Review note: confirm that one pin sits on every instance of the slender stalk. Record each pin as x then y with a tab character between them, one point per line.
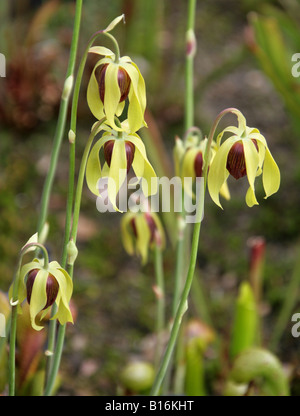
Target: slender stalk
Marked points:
49	179
189	67
14	315
60	128
61	331
182	231
160	324
54	359
182	307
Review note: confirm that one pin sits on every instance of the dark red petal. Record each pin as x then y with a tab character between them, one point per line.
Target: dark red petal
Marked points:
198	165
52	287
129	148
236	164
124	82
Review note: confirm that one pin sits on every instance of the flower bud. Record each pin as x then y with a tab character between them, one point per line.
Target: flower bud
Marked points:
151	225
236	164
137	376
124	82
129	148
52	287
198	165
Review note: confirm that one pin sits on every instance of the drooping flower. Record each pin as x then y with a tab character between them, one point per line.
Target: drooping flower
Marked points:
44	286
122	150
189	156
140	231
244	153
113	81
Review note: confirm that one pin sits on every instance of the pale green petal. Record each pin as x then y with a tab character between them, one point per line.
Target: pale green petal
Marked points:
259	137
137	97
38	297
188	169
250	198
117	170
142	167
63	313
32	239
93	96
143	237
53	265
120	108
114	23
242	125
261	155
251	160
22	292
101	50
271	174
224	191
218	173
126	232
112	94
65	292
93	167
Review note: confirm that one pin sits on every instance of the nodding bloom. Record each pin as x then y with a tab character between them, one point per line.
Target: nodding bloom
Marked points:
122	150
244	153
44	286
140	232
113	81
189	156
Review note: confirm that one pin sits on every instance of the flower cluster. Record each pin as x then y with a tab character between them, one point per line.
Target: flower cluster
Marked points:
115	80
244	153
42	284
141	231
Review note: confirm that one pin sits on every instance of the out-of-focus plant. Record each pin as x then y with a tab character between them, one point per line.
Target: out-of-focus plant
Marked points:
274	39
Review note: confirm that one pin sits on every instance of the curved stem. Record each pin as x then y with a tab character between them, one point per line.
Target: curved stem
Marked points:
183	232
182	307
116	45
14	315
61	331
60	128
160	324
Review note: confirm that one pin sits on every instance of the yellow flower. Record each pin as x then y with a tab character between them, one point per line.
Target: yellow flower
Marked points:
44	286
189	157
122	150
111	83
245	153
140	231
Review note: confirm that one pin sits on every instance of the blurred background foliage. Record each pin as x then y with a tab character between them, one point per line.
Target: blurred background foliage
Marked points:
243	60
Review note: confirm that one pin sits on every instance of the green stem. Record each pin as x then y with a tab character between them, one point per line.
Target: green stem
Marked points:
182	230
60	128
61	331
72	154
14	315
64	105
116	45
160	324
182	307
189	67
